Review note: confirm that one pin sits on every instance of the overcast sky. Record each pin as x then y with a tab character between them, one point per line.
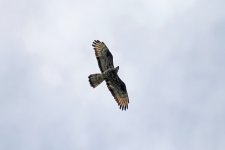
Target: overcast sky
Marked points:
171	55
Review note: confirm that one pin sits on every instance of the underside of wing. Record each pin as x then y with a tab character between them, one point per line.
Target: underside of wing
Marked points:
103	55
119	92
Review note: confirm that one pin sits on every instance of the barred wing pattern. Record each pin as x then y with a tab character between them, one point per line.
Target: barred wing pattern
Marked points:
118	91
103	55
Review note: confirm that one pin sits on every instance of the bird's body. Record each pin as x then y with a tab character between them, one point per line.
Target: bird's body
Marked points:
109	74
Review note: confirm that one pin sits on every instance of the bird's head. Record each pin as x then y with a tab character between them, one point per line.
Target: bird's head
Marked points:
117	68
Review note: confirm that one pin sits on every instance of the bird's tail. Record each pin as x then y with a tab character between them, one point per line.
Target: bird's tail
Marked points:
95	79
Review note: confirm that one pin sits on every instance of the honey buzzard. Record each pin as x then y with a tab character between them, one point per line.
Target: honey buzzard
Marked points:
108	73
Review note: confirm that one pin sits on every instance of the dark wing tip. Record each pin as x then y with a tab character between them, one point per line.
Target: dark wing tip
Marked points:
95	42
123	106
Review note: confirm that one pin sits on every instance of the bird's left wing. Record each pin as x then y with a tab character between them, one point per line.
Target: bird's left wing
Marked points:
118	89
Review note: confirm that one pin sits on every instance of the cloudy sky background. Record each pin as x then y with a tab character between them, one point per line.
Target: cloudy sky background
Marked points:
171	55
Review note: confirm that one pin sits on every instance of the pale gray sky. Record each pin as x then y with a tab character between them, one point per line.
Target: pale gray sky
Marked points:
171	55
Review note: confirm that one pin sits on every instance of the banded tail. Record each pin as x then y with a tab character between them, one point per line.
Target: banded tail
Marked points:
95	79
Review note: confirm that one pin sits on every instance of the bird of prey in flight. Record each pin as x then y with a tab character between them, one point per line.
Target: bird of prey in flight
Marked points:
109	73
